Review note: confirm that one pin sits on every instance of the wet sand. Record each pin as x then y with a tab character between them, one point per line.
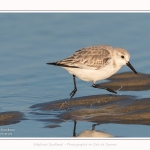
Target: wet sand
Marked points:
128	81
102	109
10	117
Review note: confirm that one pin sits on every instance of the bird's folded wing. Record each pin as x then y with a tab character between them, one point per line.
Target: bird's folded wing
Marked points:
92	57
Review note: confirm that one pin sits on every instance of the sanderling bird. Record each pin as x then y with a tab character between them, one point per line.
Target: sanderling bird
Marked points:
94	63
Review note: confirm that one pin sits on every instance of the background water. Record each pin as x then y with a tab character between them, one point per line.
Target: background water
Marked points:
29	40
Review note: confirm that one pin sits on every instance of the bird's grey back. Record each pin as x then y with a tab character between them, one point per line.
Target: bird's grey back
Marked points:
91	56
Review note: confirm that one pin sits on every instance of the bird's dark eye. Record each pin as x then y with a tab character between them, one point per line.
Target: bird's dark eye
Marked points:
122	56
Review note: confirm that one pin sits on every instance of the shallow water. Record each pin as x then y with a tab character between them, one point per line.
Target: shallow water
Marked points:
28	41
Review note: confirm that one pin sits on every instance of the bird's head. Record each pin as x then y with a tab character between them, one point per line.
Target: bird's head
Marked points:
123	57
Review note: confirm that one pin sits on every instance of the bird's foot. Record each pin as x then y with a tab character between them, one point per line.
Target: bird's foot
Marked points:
108	89
73	93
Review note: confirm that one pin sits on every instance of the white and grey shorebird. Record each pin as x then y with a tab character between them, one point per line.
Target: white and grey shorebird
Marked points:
94	63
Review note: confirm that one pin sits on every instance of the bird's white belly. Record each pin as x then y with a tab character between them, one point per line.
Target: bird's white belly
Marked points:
92	75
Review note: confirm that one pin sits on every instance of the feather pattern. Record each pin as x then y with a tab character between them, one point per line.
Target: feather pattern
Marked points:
93	57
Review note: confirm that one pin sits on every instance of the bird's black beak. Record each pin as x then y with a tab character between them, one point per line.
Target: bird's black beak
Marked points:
131	67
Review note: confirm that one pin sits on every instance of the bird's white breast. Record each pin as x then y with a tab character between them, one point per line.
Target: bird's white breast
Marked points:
92	74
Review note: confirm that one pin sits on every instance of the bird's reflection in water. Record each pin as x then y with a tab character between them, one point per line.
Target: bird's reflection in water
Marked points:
91	133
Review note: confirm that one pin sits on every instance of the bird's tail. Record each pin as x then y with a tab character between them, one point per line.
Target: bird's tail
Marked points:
56	64
52	63
59	64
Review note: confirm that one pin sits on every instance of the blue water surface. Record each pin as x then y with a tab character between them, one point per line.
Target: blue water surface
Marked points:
29	40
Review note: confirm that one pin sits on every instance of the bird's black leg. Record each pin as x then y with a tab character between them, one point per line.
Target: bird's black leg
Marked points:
94	85
73	92
74	128
108	89
93	126
75	87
